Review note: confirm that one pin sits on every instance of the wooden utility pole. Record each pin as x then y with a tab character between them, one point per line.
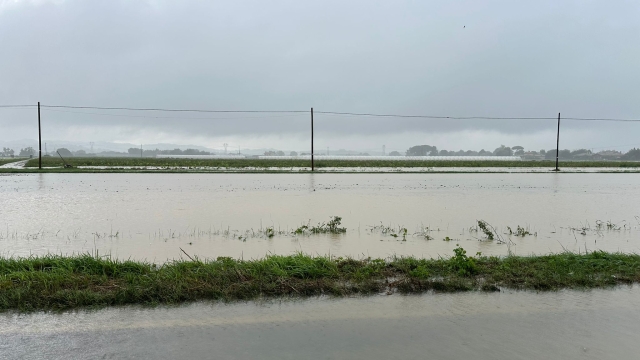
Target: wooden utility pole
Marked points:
312	167
558	144
39	140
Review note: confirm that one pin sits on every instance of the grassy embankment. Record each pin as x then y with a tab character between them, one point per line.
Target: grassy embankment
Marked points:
257	163
57	282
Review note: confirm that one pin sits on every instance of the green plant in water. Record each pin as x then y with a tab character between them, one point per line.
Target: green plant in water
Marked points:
485	229
520	231
446	239
269	232
331	227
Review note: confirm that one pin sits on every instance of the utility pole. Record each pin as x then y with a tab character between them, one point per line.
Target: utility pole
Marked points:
89	143
312	167
225	147
39	140
558	144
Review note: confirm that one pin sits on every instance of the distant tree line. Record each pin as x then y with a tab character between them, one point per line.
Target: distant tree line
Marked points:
428	150
26	152
580	154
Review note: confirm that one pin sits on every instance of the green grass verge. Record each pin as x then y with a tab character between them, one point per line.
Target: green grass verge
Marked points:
57	282
257	163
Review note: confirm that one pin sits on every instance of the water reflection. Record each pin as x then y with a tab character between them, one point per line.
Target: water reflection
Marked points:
598	324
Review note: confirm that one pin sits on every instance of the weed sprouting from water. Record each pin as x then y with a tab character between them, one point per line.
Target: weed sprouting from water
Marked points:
330	227
485	229
601	225
520	231
269	232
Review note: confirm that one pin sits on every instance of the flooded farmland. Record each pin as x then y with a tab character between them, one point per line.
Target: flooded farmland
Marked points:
153	216
159	217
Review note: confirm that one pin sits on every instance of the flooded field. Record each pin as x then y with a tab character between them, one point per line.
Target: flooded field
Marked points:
154	216
159	217
598	324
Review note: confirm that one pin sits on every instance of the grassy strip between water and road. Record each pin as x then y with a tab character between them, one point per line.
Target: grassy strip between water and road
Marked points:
57	282
272	163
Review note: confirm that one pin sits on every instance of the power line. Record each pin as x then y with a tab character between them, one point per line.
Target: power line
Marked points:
603	119
471	117
171	117
436	117
318	112
173	110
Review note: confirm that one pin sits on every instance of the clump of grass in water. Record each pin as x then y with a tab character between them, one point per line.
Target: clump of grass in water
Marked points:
399	231
331	227
58	282
484	227
520	231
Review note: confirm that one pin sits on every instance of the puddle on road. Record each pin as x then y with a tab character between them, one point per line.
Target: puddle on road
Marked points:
152	216
596	324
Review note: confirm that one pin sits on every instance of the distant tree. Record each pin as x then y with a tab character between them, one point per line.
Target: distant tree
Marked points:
270	153
563	154
517	147
471	153
518	152
64	152
580	151
503	151
422	150
80	153
543	151
293	153
395	153
443	153
279	153
633	154
133	151
29	151
484	152
7	152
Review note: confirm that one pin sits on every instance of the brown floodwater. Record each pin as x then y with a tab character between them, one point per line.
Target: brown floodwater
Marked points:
152	216
596	324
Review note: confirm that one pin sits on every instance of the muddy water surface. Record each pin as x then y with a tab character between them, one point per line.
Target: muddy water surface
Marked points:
598	324
152	216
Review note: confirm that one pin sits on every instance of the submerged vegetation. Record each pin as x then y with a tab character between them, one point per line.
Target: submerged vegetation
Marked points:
58	282
331	227
300	163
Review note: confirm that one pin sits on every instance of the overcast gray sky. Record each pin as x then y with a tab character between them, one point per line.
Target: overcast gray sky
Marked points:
451	58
